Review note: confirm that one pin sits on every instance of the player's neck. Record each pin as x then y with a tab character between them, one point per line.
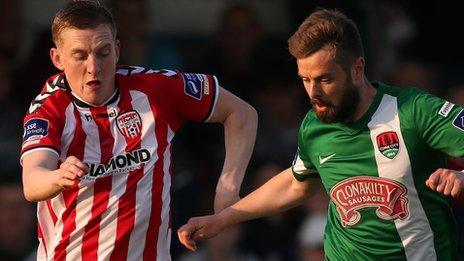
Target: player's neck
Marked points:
367	94
81	101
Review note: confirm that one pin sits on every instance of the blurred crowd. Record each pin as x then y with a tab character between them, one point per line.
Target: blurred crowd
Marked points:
405	45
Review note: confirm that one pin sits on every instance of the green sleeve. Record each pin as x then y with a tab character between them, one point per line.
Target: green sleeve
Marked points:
441	123
302	167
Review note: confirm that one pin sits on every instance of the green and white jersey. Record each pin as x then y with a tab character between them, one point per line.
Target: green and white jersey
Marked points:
375	170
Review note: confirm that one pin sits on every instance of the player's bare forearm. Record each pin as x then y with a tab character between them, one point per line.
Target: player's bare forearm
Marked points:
240	125
240	134
41	178
278	194
40	184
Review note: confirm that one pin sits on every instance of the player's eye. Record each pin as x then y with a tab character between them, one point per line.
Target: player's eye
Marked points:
104	52
326	80
80	57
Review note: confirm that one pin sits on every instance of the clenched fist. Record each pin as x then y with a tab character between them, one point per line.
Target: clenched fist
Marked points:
446	181
200	228
70	171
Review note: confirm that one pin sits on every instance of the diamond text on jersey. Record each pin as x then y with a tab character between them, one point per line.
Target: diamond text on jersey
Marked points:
118	164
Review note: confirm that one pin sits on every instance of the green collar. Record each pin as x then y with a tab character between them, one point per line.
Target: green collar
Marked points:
362	123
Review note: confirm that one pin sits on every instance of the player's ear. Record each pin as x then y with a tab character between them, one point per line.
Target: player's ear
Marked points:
55	56
357	70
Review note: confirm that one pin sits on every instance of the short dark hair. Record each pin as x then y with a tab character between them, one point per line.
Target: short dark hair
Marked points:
327	27
81	14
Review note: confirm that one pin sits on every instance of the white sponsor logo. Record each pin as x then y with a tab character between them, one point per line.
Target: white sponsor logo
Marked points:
323	160
446	109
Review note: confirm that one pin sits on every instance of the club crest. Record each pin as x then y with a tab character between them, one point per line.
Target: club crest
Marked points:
388	144
130	124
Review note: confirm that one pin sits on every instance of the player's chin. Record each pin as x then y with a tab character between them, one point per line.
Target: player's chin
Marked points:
327	116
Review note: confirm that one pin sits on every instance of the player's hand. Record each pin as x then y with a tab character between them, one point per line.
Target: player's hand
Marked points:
70	171
224	198
199	228
446	181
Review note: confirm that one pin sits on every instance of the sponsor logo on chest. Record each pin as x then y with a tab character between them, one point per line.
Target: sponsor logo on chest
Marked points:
389	197
103	115
130	124
324	159
388	144
123	163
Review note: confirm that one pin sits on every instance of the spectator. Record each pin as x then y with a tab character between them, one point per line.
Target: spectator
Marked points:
16	220
140	45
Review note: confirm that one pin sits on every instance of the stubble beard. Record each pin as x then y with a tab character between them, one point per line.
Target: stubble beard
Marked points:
345	111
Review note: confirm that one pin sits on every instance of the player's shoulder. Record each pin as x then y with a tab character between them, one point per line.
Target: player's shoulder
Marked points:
405	95
53	94
401	92
146	80
412	100
137	73
310	117
152	80
309	121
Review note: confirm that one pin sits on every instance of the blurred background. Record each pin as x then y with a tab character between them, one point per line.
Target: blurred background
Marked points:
244	44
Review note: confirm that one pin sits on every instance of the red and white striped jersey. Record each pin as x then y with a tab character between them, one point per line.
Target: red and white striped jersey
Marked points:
120	210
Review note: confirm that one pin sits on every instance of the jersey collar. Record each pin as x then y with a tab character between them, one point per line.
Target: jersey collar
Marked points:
81	103
361	123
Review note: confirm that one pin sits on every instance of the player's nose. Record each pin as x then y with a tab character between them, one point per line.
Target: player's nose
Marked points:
314	89
93	65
